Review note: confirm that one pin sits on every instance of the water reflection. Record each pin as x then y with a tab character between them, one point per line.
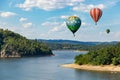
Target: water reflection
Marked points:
96	75
48	68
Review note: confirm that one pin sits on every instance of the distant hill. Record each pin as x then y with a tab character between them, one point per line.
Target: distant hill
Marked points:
70	44
15	45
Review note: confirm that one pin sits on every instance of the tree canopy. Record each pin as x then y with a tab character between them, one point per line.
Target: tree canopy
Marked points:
103	56
12	43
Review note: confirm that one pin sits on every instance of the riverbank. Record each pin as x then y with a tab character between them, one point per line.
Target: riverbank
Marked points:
108	68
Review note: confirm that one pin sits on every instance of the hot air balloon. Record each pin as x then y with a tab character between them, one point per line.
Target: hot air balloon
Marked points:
73	23
108	31
96	14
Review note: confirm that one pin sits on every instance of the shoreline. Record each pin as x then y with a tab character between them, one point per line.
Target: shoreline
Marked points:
103	68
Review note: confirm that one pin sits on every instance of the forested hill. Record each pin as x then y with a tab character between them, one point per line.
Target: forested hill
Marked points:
15	45
69	42
75	45
104	56
75	42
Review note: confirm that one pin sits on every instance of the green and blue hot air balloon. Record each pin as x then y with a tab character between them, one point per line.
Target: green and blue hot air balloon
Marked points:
73	23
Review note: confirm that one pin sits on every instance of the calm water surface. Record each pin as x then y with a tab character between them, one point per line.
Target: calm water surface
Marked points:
48	68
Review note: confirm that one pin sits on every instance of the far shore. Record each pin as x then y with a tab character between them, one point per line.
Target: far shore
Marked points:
71	50
107	68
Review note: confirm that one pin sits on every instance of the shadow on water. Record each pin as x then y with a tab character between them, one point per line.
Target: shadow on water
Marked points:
96	75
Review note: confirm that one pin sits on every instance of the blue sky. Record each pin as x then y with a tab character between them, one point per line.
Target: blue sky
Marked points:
45	19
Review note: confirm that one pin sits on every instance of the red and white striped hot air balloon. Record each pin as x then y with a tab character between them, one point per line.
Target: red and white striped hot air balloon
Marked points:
96	14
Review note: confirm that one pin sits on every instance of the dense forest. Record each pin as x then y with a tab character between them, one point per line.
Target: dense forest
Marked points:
15	45
80	47
104	56
75	45
65	44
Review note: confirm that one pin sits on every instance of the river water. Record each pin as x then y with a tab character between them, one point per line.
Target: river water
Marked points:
48	68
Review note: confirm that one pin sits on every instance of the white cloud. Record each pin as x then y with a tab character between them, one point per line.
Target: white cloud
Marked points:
83	24
54	26
58	28
27	25
7	14
24	23
86	8
111	3
55	29
47	24
64	17
77	5
47	4
22	19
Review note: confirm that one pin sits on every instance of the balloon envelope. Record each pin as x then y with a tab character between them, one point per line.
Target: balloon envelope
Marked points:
108	31
73	23
96	14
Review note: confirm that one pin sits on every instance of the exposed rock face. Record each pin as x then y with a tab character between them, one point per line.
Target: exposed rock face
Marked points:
3	54
8	51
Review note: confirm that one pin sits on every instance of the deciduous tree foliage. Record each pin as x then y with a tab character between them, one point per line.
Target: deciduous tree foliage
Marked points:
14	42
103	56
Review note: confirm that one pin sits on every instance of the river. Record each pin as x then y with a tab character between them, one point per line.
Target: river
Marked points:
48	68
